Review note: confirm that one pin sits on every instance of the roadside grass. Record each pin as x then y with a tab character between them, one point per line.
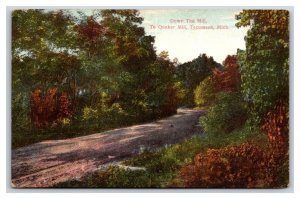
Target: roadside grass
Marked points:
161	165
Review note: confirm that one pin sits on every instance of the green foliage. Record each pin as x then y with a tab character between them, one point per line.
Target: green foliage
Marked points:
113	177
192	73
84	57
265	63
90	113
204	93
228	113
103	114
265	84
40	59
20	113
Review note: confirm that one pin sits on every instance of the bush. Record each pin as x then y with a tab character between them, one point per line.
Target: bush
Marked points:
90	113
47	110
228	113
243	166
204	93
104	114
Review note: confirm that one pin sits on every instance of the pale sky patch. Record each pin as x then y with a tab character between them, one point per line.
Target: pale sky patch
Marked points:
188	44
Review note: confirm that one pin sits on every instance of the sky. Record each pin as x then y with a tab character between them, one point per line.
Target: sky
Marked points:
187	44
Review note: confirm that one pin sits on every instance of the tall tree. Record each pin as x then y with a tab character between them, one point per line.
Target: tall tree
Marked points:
265	63
43	56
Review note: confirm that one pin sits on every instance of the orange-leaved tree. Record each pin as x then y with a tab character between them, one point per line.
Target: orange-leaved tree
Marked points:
230	78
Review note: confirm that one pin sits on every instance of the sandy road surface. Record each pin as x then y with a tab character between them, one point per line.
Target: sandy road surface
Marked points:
49	162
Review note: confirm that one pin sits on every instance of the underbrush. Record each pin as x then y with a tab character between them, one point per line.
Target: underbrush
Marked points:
243	162
241	166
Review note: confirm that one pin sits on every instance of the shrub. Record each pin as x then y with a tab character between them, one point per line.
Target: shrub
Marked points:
243	166
204	93
50	108
228	113
90	113
103	114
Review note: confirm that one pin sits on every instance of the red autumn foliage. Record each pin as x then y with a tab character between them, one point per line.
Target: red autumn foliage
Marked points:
230	78
49	108
91	30
276	126
64	106
246	165
243	166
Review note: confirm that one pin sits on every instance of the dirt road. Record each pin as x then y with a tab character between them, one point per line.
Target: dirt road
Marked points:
49	162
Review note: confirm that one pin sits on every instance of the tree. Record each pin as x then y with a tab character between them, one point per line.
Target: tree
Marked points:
265	63
204	92
101	70
83	68
147	78
43	56
229	79
193	72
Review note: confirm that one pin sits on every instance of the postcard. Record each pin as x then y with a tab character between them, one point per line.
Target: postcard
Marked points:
150	98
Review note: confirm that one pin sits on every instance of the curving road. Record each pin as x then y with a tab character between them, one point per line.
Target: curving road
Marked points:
49	162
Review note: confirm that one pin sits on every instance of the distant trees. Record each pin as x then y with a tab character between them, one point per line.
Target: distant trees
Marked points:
193	72
204	93
228	79
222	79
